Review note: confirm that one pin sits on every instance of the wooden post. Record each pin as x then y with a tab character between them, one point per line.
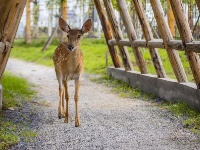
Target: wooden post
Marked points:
132	36
167	36
10	17
28	22
118	35
149	36
186	37
107	33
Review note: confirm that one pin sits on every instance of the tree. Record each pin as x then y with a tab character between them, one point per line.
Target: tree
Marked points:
171	19
64	15
28	23
35	18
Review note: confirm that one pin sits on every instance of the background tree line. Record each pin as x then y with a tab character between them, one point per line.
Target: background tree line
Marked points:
87	6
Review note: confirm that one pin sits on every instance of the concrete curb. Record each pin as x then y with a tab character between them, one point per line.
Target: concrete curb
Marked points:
0	97
167	89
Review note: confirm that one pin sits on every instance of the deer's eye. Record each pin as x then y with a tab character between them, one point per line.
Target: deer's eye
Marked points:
79	36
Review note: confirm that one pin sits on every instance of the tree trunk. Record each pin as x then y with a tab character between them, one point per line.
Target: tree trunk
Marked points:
190	15
28	22
35	19
64	16
171	19
198	4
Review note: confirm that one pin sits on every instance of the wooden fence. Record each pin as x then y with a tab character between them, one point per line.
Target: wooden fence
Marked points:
160	85
191	48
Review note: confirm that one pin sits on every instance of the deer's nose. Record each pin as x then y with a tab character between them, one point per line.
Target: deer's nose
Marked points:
70	47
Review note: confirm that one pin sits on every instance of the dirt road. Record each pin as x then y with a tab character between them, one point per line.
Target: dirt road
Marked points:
107	120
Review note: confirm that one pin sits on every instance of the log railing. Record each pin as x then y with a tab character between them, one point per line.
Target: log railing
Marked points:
158	43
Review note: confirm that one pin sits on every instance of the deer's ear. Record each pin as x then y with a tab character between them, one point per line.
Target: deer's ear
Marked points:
63	25
87	26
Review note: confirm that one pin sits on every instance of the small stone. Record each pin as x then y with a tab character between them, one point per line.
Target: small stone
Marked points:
10	108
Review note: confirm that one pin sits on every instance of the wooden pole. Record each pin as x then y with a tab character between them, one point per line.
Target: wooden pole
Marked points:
28	22
149	36
167	36
118	35
107	33
132	36
186	37
11	15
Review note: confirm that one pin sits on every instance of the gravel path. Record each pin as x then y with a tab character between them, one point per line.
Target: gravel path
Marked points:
107	120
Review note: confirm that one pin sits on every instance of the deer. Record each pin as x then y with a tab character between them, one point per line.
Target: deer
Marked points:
69	62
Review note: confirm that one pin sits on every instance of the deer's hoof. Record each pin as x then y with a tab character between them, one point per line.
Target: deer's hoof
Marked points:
61	116
77	123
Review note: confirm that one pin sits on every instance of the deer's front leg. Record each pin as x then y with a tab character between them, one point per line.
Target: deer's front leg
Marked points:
67	101
60	107
76	98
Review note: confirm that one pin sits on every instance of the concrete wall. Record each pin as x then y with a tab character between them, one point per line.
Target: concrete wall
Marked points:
167	89
0	97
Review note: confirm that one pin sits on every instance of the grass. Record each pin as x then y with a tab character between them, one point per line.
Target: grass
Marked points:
188	116
15	91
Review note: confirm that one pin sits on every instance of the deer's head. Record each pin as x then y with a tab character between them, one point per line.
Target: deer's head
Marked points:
74	35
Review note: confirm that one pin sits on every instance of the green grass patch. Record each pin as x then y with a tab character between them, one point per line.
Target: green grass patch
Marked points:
189	117
15	91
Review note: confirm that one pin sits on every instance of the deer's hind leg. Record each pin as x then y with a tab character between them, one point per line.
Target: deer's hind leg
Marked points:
67	101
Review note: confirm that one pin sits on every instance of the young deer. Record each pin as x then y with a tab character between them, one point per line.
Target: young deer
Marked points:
68	62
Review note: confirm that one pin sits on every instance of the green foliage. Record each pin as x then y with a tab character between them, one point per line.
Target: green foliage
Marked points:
15	90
